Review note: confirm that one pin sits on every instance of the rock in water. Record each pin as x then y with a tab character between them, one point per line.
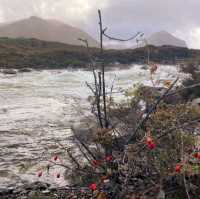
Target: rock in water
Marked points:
9	71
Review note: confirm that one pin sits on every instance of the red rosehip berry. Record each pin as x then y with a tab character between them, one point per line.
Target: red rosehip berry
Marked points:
197	155
178	168
93	186
40	174
55	158
151	145
109	158
58	175
96	163
149	140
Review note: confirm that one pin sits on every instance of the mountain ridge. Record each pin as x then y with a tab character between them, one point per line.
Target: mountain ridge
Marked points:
47	30
163	38
160	38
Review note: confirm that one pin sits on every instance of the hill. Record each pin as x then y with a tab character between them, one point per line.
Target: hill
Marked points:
47	30
161	38
164	38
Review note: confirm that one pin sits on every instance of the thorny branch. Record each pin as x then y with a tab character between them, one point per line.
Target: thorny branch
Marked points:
150	112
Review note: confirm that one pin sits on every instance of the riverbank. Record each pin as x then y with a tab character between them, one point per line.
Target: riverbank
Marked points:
172	186
32	53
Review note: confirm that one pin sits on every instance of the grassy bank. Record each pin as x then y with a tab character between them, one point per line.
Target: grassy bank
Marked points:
20	53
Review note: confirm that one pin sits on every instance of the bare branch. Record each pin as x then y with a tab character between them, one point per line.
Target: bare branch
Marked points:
119	39
90	87
196	120
182	89
84	145
103	72
151	111
97	86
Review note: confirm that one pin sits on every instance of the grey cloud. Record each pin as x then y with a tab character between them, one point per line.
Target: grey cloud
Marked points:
123	17
153	15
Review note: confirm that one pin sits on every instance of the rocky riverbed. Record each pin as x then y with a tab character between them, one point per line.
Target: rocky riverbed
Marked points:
172	186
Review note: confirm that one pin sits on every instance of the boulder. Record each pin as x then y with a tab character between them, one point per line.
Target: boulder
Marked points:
9	71
25	70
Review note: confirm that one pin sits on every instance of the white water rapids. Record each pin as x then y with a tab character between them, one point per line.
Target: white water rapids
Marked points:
38	107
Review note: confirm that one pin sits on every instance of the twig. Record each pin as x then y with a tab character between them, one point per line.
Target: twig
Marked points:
119	39
111	89
73	158
177	127
183	160
97	87
59	164
151	111
90	87
103	72
179	90
84	145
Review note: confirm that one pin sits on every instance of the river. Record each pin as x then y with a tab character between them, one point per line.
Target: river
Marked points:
39	107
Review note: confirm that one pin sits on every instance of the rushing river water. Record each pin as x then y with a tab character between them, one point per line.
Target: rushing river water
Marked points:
37	108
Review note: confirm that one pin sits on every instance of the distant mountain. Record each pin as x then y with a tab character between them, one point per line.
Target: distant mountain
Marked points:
115	46
163	38
158	39
47	30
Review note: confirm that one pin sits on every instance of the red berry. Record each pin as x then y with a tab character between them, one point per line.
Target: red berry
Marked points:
58	175
40	174
96	163
197	155
178	168
151	145
55	157
149	140
109	158
93	186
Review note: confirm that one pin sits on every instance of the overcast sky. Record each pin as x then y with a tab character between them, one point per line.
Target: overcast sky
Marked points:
123	17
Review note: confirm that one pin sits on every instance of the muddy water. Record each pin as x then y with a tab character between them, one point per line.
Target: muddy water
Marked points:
38	108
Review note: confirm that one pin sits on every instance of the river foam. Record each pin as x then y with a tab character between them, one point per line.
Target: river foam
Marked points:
38	107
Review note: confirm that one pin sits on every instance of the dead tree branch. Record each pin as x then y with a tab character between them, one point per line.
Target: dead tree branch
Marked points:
106	123
119	39
97	90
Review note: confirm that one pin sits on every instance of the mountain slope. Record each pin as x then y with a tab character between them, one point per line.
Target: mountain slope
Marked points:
47	30
164	38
